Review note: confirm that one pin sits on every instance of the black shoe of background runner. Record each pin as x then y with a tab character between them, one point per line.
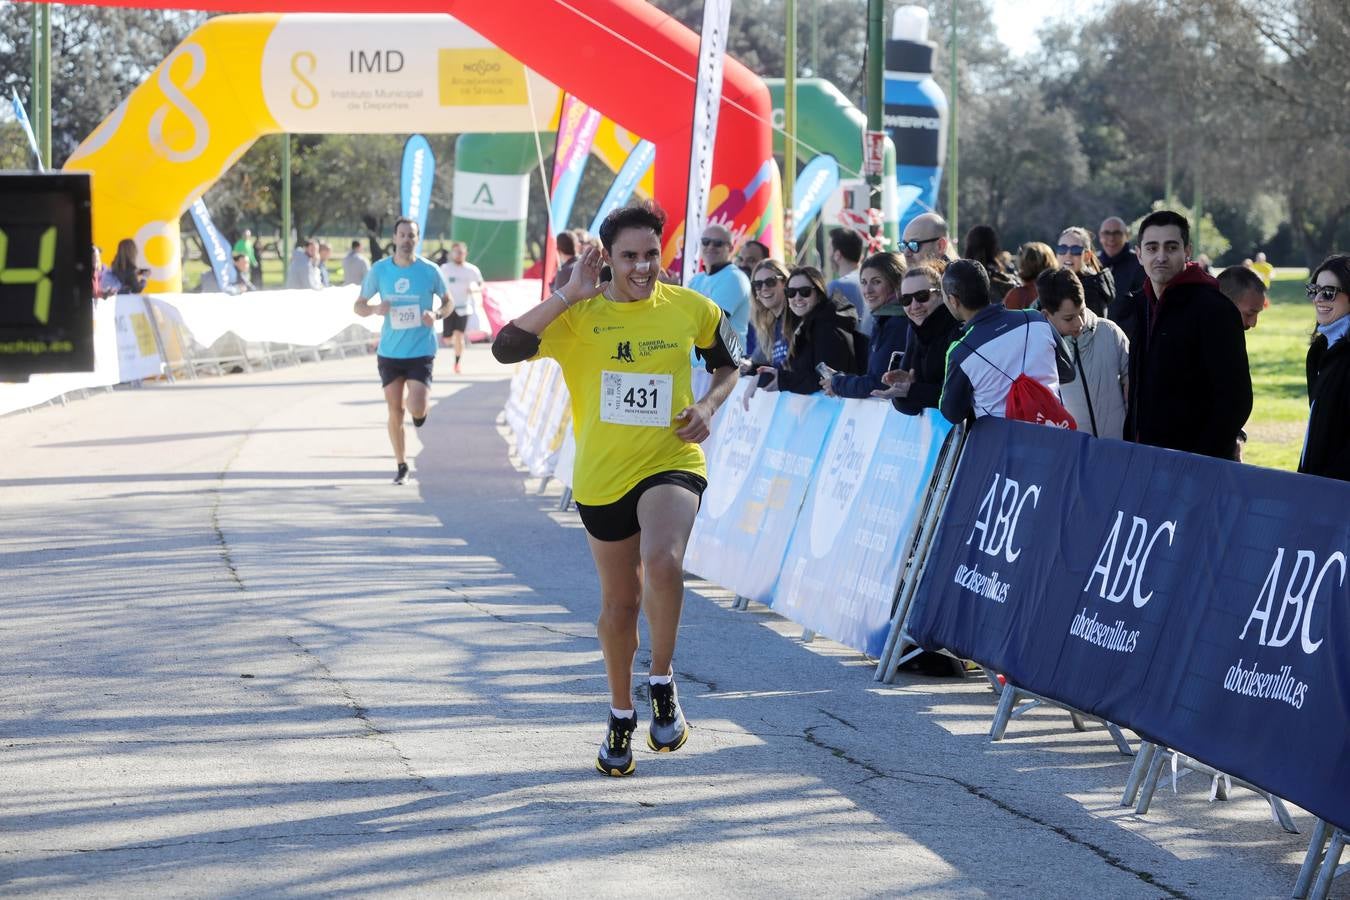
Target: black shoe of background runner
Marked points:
418	420
616	751
668	730
402	476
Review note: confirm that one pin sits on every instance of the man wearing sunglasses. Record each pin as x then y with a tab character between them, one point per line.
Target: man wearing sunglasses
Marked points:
1190	386
721	281
925	240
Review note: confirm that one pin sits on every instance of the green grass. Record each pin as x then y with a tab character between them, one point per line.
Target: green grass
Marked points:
1276	350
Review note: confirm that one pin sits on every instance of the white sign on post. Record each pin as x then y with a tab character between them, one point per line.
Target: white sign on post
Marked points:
874	152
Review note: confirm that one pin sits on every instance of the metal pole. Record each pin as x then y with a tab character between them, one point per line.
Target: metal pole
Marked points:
34	86
1199	228
285	206
44	126
1167	174
953	136
790	131
876	80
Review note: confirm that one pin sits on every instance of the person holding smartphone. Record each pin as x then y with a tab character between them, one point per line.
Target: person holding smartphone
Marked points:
826	333
880	278
914	382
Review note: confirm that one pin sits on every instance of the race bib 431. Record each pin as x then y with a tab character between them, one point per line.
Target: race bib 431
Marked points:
636	398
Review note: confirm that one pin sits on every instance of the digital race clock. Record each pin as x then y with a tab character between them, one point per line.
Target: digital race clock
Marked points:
46	288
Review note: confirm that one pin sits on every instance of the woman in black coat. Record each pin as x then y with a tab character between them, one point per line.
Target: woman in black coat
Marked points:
880	276
1326	449
917	384
827	333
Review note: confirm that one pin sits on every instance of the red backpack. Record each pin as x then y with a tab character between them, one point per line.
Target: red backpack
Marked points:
1028	399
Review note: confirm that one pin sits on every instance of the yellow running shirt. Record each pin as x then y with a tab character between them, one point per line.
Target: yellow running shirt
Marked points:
627	368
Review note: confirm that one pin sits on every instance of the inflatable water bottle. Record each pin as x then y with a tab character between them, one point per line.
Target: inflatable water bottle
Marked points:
915	113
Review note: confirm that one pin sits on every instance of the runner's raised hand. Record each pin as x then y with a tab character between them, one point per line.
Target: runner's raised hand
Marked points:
585	281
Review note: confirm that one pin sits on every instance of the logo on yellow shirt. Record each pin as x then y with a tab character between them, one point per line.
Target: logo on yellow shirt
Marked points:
624	353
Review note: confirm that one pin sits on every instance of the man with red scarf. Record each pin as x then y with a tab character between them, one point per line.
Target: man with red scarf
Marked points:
1190	387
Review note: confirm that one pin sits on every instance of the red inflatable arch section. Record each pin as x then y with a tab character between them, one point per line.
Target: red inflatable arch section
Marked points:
625	58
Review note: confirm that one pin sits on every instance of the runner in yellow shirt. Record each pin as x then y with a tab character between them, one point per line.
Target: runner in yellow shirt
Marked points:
624	347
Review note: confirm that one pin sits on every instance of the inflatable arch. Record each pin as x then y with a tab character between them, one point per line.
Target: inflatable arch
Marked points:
237	78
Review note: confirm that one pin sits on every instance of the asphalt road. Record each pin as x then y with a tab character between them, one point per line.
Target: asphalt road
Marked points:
235	659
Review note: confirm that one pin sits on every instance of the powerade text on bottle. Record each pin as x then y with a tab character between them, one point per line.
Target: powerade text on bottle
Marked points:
915	113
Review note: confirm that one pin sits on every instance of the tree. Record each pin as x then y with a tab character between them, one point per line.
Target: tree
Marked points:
1021	164
99	56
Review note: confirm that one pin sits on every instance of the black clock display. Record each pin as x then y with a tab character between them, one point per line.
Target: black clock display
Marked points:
46	287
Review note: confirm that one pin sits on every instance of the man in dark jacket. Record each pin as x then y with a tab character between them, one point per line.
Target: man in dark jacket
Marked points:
1128	274
1190	387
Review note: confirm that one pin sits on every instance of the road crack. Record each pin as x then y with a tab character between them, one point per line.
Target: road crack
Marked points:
975	790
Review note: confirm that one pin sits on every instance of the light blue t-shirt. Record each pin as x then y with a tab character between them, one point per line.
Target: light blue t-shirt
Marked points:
409	291
730	290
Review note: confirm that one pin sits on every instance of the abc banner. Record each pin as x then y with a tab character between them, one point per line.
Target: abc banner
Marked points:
1202	603
843	564
759	473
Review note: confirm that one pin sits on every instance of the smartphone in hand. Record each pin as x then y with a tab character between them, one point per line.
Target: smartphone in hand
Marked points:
894	364
823	370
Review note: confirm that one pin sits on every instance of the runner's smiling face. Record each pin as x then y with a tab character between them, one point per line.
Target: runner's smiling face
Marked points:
635	259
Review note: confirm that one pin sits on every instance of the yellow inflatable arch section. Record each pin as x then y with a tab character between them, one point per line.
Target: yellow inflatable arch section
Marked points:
238	78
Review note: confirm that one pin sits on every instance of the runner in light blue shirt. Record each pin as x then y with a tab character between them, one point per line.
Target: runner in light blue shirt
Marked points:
412	298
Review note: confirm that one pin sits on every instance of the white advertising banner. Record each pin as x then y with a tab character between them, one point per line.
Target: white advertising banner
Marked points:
137	353
712	51
379	74
490	198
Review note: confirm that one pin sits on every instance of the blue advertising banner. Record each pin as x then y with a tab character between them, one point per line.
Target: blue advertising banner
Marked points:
419	171
1203	603
758	476
639	160
843	563
217	248
22	116
815	185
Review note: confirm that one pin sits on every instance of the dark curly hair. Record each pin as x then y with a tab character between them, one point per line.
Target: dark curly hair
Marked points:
646	215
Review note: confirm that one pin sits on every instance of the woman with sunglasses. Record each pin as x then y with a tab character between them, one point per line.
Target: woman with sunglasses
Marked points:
880	277
1326	448
826	333
1075	254
917	384
771	322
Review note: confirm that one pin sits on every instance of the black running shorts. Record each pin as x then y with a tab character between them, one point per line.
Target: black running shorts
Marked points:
417	368
618	521
455	321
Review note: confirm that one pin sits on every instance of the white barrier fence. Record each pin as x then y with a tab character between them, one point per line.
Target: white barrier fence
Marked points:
168	335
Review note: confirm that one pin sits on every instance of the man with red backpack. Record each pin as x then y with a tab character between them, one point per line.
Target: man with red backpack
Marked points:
1007	362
